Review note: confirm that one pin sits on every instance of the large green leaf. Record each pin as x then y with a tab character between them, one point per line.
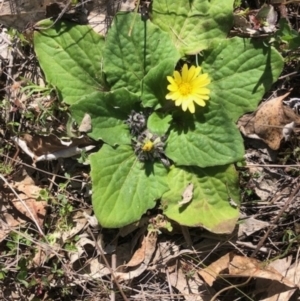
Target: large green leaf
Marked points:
215	200
159	123
193	24
70	55
128	58
242	70
154	84
123	188
208	138
108	112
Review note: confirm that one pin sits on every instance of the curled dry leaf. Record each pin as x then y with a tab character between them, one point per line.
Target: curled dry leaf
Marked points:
271	122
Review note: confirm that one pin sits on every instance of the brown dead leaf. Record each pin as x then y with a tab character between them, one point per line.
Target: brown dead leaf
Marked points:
275	291
37	208
29	195
210	273
183	277
250	267
8	223
240	266
9	217
139	255
142	256
269	122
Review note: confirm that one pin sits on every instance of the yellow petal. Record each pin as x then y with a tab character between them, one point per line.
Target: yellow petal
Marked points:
178	102
172	87
203	91
193	73
184	72
184	106
177	77
201	81
175	95
170	79
170	96
200	102
191	107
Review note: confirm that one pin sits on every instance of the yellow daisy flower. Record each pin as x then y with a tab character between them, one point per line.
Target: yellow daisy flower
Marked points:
188	87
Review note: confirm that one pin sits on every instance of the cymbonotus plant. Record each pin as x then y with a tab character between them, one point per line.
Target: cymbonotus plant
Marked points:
163	95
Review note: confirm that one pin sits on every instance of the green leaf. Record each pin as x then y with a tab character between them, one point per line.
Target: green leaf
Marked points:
210	206
70	55
2	275
22	276
286	34
193	25
108	112
242	71
155	84
158	123
127	59
208	138
123	188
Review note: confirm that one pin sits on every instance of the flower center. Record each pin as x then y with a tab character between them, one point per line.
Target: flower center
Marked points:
148	146
185	88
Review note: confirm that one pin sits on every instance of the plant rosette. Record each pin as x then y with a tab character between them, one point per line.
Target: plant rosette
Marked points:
167	117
